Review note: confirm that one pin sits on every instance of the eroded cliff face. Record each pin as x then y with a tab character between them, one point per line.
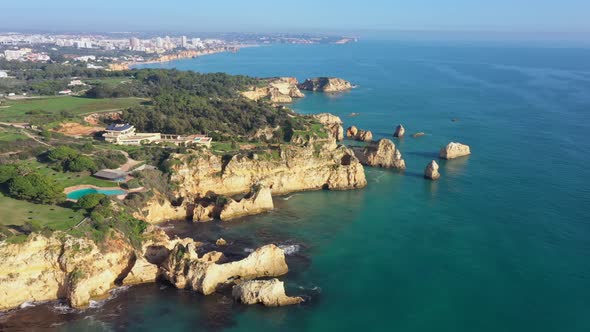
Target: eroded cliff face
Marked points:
332	123
186	270
296	168
75	269
278	90
325	84
47	268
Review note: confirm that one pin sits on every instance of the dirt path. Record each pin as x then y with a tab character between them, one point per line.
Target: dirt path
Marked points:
31	136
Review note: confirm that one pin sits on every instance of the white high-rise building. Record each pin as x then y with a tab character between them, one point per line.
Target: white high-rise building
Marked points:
183	42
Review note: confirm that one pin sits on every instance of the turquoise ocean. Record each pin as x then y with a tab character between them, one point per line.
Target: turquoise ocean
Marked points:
500	243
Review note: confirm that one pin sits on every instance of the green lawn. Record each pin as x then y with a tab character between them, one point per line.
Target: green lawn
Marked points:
10	135
16	110
17	212
69	179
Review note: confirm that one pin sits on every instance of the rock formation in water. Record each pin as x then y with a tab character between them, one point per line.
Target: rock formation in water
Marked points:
418	134
399	131
382	153
259	201
271	293
454	150
277	90
352	131
220	242
325	84
359	134
332	123
431	171
186	270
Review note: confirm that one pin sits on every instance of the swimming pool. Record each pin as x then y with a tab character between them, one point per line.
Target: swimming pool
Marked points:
76	194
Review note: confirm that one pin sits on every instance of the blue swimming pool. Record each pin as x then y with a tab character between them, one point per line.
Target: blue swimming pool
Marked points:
76	194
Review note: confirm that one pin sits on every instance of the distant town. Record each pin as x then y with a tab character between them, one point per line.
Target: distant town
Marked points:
119	51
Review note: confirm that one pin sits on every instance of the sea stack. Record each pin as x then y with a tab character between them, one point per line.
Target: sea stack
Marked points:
352	131
381	154
399	131
431	171
359	134
454	150
271	293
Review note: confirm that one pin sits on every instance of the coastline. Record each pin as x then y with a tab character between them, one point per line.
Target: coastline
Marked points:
186	54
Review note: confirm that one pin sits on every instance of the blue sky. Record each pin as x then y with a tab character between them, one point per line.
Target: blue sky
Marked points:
297	16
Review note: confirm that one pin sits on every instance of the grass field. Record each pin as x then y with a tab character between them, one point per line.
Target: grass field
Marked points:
17	212
26	109
10	135
69	179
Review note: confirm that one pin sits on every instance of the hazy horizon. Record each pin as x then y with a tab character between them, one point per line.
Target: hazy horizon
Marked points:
306	16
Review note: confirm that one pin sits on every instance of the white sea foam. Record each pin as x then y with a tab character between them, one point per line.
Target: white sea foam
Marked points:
289	197
27	304
290	249
248	250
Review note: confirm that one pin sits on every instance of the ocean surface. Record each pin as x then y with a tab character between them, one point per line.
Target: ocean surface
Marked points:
500	243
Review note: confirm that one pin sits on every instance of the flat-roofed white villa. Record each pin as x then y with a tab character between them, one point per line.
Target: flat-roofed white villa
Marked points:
124	134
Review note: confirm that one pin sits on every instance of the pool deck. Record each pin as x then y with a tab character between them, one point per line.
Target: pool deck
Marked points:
89	186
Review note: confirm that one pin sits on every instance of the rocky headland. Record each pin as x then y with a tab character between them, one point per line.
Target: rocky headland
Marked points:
325	84
78	270
279	90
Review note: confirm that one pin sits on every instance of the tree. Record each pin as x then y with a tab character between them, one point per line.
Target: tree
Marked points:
36	187
62	153
81	163
90	201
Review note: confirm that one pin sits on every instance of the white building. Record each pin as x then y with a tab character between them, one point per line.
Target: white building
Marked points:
183	42
15	54
3	74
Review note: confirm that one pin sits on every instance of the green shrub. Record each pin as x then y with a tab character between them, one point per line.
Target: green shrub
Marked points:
90	201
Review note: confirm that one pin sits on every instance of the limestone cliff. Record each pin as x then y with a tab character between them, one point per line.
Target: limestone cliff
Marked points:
271	293
293	168
454	150
332	123
382	153
277	90
75	269
260	201
186	270
325	84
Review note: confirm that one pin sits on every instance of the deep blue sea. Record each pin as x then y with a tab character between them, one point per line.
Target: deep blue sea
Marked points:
500	243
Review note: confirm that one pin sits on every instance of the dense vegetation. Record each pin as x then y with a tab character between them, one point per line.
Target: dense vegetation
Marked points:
23	183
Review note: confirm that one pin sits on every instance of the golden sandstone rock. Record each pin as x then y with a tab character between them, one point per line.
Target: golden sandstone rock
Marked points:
271	293
454	150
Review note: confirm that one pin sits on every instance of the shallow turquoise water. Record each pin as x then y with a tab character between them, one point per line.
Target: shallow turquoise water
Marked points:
77	194
500	243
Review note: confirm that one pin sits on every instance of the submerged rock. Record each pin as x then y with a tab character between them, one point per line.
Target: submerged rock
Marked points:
418	134
431	171
382	153
325	84
186	270
454	150
399	131
271	293
220	242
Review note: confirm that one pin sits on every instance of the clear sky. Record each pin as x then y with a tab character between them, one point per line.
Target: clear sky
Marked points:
296	16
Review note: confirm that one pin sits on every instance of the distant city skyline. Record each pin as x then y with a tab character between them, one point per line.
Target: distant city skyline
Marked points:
526	16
